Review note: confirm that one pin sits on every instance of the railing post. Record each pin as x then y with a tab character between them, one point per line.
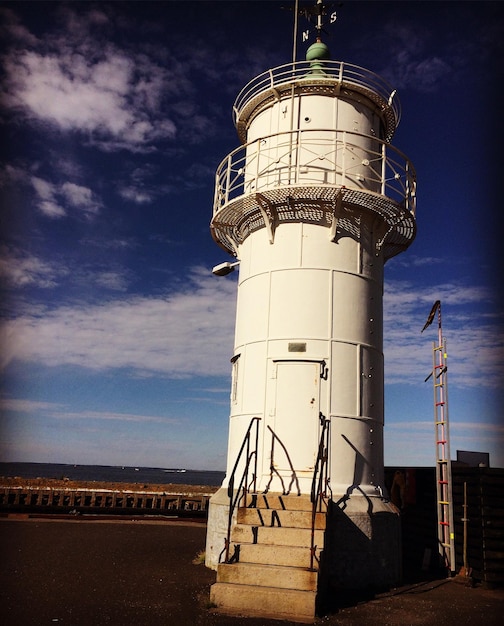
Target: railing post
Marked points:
228	178
245	482
255	456
383	168
318	481
216	204
258	156
413	197
298	148
343	161
406	187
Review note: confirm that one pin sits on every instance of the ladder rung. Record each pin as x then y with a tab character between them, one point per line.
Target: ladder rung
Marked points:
444	523
439	423
442	461
442	502
446	545
442	441
440	403
443	482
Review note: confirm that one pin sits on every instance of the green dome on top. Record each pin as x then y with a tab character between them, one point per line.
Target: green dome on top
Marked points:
318	51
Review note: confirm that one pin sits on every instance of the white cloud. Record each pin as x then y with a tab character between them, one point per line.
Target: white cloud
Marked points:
94	77
60	412
53	199
19	270
424	74
111	96
189	332
44	189
486	429
80	197
12	29
135	194
412	260
46	195
475	341
116	281
411	439
109	244
414	60
27	406
179	335
111	416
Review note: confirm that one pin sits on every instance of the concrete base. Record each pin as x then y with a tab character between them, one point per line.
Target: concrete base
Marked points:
217	526
358	542
362	546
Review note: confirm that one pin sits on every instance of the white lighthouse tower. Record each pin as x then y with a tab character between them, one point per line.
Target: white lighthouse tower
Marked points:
310	206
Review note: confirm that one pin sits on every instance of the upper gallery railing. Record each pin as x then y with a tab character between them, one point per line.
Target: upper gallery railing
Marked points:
320	157
294	74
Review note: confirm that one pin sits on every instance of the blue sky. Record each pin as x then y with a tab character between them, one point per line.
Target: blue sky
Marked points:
115	336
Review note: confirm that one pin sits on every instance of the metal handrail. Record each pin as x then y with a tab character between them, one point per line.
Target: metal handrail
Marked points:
344	74
243	488
273	470
317	157
320	482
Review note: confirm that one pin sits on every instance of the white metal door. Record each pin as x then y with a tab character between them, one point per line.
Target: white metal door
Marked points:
296	415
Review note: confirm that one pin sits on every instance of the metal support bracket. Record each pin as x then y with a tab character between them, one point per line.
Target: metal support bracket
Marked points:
336	214
380	242
269	215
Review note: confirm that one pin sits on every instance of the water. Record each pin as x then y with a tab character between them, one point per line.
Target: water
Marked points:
114	473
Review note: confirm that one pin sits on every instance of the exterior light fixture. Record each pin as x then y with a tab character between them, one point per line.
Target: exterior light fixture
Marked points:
223	269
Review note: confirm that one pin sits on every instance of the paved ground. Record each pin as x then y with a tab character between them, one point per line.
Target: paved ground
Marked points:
82	573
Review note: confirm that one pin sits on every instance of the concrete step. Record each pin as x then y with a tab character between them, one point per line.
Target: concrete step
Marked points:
276	536
267	602
281	518
267	576
289	556
278	501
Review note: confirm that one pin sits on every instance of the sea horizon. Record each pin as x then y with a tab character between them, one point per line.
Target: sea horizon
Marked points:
112	473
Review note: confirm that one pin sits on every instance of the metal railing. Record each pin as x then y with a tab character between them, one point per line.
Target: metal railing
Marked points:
320	483
319	157
245	485
248	482
273	470
344	74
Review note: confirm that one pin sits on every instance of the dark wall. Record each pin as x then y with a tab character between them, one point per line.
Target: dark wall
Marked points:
414	492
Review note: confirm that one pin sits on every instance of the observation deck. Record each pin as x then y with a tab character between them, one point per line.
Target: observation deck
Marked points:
324	176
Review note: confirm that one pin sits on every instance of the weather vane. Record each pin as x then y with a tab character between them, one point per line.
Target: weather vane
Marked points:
315	15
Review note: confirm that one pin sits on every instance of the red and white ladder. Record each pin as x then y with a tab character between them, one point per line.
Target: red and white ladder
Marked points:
446	535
